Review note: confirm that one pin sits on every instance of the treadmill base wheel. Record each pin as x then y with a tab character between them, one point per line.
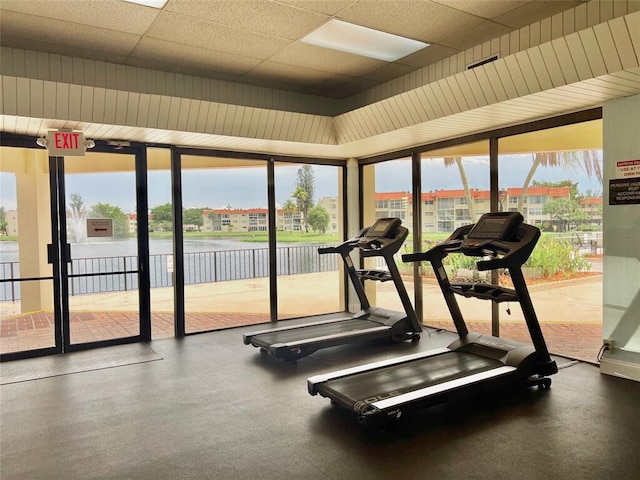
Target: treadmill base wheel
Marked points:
414	337
543	383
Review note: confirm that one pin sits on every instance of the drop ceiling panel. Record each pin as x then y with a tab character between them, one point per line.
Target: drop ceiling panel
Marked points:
170	53
267	17
391	70
199	33
113	15
474	35
270	70
310	56
100	30
483	8
420	20
17	26
328	7
427	56
532	11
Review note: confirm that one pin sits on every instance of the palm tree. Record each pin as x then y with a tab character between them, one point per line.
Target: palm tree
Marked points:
586	160
448	162
3	221
288	208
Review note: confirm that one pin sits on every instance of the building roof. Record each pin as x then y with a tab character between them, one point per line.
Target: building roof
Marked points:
555	192
235	211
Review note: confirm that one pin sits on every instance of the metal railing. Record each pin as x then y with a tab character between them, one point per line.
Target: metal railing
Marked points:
199	267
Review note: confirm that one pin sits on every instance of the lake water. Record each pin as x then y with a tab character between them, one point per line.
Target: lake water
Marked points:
128	247
205	261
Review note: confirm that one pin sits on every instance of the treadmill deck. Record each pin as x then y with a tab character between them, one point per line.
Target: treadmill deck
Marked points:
284	337
360	390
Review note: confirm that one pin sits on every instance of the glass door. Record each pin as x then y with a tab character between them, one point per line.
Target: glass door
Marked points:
105	286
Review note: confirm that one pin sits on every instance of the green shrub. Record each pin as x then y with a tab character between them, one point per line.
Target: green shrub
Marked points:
551	256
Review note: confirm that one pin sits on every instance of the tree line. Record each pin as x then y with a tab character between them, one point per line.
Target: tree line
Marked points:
314	217
563	211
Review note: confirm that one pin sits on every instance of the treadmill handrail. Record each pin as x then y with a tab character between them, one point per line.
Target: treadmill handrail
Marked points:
515	252
442	249
512	252
371	245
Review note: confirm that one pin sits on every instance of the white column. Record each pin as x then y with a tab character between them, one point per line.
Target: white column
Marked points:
621	227
34	229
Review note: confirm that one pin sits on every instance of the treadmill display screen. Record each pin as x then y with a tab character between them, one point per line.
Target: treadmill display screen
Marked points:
382	227
495	226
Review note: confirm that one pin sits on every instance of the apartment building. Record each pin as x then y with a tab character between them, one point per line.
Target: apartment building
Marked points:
11	219
446	210
330	204
592	206
289	221
236	220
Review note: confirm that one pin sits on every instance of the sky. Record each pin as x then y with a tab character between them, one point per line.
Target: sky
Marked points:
247	187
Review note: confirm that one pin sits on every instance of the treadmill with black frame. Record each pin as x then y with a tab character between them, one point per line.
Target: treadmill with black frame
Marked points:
383	239
384	391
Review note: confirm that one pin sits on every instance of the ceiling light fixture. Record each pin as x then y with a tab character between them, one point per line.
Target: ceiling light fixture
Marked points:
150	3
350	38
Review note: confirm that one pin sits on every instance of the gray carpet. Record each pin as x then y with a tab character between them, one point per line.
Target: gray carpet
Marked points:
55	365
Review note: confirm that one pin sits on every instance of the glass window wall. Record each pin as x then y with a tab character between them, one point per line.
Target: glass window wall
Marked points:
390	196
455	192
226	254
554	178
309	215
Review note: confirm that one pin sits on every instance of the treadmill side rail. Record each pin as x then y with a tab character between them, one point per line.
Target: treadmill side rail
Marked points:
442	387
313	382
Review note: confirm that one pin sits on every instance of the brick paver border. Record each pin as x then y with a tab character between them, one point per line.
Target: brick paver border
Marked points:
35	330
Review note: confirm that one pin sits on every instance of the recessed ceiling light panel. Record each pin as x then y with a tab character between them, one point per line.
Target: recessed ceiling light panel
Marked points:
368	42
150	3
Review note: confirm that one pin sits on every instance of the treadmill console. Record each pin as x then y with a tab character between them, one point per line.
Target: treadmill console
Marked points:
383	228
491	227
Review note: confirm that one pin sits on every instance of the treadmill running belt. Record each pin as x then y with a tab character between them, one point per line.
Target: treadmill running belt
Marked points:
394	380
298	334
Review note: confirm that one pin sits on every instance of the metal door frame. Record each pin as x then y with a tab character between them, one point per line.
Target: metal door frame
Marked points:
142	235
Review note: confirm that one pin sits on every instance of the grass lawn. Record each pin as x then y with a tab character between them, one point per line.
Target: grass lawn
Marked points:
260	237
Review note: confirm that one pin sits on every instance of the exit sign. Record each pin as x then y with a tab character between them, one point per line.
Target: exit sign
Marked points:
62	143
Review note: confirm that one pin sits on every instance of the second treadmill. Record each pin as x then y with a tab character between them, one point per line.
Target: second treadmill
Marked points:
383	239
